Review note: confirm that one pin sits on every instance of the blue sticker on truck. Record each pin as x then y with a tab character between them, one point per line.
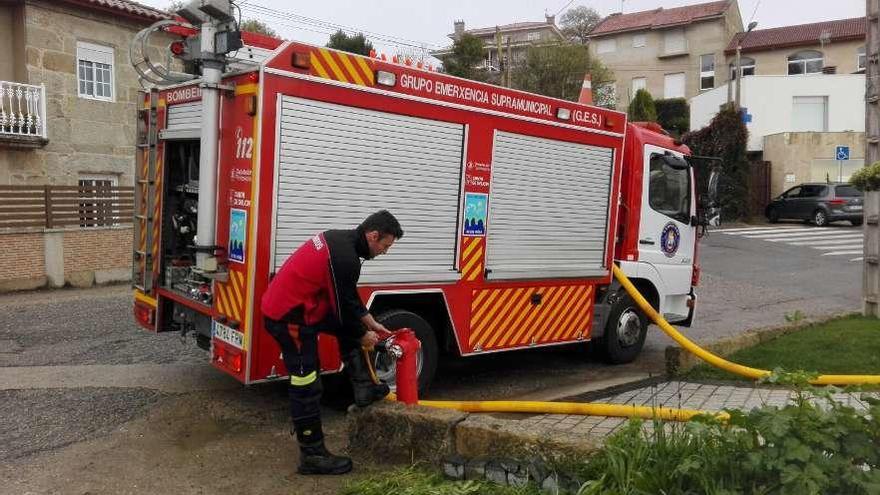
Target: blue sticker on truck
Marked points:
670	238
475	210
237	234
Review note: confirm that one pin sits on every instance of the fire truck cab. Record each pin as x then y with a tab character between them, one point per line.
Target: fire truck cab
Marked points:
514	205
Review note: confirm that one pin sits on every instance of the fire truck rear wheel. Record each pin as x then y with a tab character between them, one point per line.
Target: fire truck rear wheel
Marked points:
625	331
426	363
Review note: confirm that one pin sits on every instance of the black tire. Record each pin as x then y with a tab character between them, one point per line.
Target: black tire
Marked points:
625	331
427	364
819	218
773	215
857	223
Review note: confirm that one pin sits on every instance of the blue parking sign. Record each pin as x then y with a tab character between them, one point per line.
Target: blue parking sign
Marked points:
841	153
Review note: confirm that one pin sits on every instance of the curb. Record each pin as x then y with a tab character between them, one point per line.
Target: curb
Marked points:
393	432
680	361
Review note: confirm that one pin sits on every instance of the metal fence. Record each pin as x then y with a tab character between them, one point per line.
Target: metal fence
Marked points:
65	206
22	109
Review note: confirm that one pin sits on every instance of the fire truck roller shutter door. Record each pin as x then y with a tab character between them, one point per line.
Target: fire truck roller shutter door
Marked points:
549	208
184	121
337	164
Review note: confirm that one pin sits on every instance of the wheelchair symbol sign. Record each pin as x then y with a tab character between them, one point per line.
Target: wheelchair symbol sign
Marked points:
842	153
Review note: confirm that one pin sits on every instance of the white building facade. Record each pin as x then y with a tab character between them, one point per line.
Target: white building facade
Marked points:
803	103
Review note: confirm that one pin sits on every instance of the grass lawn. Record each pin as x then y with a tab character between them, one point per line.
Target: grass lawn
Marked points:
847	346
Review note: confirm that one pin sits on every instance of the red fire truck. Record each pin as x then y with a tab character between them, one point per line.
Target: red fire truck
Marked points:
515	205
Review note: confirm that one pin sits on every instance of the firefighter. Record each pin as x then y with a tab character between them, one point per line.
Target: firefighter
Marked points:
316	289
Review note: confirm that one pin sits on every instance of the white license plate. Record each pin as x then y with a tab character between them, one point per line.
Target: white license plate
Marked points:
855	208
229	335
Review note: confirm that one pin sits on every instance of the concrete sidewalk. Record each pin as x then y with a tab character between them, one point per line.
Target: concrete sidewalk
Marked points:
430	434
673	394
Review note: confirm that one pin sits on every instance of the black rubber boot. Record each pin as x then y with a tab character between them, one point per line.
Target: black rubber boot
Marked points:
316	459
366	391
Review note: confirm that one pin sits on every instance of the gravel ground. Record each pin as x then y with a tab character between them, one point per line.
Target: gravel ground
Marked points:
83	327
37	421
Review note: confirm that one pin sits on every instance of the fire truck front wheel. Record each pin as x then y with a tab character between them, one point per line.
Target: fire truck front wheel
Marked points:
625	331
426	361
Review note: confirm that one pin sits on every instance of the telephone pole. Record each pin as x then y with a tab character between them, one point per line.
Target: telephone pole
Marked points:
871	290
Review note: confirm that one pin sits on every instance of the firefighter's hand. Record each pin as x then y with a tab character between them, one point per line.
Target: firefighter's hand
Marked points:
369	340
380	329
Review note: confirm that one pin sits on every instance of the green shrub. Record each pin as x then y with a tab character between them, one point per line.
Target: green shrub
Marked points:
726	138
674	115
641	108
812	446
868	178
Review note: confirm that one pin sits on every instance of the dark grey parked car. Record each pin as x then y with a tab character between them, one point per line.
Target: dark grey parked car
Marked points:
818	203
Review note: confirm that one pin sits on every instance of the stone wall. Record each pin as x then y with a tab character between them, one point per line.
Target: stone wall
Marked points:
793	155
61	257
85	136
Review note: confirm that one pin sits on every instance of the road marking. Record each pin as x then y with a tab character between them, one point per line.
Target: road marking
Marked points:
836	253
820	243
816	239
831	248
757	230
804	235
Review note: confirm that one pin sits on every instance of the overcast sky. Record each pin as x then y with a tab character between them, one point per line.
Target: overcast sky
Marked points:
405	25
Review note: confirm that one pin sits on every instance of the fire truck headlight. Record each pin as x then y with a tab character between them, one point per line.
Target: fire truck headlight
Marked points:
563	113
386	78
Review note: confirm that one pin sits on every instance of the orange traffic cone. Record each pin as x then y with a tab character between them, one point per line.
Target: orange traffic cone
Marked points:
586	95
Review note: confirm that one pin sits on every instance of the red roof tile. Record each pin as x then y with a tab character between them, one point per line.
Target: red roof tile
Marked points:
126	7
801	34
658	18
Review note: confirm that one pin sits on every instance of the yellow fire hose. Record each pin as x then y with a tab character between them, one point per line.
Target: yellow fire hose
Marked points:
717	361
632	411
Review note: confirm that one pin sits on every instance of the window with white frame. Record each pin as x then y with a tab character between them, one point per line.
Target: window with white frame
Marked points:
861	60
94	70
809	114
606	46
707	71
639	40
805	62
533	36
637	84
747	66
673	85
98	201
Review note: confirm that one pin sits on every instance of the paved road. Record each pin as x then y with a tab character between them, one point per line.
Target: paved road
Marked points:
827	241
755	280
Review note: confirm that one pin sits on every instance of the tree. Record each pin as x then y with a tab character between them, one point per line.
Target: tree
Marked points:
558	71
673	114
726	138
577	23
259	27
641	108
174	6
356	43
467	55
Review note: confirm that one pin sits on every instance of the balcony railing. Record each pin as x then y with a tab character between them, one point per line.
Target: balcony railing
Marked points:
22	110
